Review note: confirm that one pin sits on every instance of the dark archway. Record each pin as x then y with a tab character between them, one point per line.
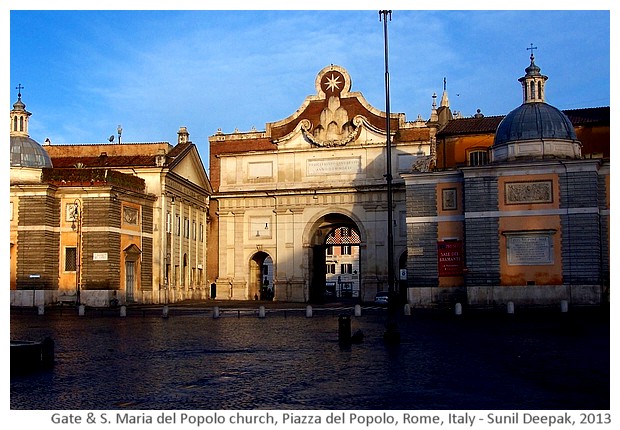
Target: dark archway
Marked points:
261	286
334	260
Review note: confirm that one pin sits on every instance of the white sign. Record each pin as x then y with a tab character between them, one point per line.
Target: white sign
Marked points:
528	250
100	256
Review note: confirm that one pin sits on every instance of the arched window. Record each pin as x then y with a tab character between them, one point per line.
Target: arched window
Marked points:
540	90
532	91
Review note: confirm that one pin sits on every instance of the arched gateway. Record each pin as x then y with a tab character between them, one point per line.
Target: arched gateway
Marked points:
309	192
334	263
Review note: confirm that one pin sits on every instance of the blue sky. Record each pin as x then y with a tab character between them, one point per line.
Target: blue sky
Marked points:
85	72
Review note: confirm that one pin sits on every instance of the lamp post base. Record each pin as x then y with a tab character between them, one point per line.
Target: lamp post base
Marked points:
391	335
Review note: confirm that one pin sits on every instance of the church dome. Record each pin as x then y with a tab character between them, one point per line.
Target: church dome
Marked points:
534	121
25	151
535	129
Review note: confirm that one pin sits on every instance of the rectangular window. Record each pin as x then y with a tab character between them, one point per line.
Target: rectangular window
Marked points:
70	259
345	250
177	225
330	268
168	222
202	233
346	268
329	250
186	228
478	158
194	230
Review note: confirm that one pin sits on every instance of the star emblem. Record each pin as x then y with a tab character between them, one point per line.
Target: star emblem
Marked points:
332	83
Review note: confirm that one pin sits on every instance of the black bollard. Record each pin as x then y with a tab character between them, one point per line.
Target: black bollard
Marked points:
344	329
358	337
47	353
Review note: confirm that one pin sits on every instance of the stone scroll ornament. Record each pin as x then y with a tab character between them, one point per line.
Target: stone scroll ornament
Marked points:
322	136
426	163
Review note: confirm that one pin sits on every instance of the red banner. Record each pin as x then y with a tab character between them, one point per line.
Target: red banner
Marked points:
450	257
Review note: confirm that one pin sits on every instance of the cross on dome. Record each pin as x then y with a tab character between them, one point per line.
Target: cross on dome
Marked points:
531	48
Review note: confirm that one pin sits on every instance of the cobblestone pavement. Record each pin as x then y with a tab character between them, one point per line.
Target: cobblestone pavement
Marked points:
478	360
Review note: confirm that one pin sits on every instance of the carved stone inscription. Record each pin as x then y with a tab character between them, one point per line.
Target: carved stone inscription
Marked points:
528	250
334	166
529	192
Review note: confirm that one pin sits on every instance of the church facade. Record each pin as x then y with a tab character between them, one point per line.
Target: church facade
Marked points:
517	209
105	224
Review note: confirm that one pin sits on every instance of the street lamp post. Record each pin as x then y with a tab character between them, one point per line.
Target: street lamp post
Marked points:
391	335
76	225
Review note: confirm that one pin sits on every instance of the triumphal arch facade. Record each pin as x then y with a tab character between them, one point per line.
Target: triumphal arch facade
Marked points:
301	207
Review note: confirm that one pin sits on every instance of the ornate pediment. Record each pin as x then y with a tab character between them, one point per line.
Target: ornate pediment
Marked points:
333	117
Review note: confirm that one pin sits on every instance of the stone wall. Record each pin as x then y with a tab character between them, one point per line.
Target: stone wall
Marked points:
101	234
38	240
481	234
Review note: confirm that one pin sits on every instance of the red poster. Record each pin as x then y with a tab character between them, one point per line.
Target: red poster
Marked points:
450	257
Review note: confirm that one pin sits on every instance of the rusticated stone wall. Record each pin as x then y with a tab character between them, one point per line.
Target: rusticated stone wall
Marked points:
101	234
38	241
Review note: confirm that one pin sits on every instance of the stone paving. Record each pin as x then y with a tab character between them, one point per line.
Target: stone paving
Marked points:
478	360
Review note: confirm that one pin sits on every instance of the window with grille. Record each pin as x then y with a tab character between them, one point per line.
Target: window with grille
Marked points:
70	259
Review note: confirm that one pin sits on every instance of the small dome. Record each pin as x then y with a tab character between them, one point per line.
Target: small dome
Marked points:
26	152
534	121
19	105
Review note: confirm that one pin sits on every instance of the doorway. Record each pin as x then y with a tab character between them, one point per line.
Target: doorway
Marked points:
261	285
130	277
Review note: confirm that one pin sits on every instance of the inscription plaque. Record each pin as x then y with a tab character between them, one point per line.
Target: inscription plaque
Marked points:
529	249
528	192
334	166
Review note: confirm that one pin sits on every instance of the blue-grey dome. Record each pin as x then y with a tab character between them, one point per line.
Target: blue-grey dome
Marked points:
534	121
26	152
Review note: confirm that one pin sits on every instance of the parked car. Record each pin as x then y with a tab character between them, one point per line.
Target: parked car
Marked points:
381	298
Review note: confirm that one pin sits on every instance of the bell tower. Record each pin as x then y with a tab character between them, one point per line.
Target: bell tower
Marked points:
19	115
533	82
